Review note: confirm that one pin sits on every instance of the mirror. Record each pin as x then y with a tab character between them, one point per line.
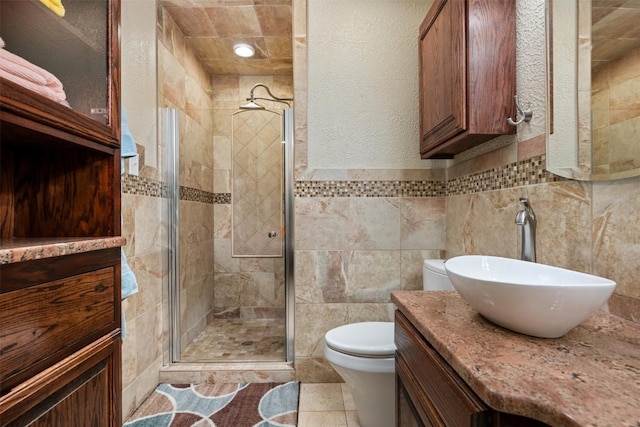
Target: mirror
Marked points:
593	91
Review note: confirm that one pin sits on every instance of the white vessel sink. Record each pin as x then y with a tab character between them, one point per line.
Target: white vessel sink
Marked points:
526	297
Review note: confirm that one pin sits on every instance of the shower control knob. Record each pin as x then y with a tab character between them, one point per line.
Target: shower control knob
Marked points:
272	234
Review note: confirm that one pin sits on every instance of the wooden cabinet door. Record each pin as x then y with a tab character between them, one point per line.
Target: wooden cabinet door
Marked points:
442	73
82	390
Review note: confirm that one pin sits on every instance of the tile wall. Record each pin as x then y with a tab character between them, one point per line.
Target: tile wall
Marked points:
185	85
246	287
616	115
143	212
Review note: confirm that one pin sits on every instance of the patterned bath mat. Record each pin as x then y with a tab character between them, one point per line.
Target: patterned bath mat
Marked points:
219	405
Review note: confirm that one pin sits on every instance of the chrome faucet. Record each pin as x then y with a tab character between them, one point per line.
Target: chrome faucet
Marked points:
526	219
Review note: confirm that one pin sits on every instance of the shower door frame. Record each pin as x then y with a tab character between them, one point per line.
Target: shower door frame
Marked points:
170	134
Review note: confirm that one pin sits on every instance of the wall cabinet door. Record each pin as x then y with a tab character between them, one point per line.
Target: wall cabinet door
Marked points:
442	74
467	74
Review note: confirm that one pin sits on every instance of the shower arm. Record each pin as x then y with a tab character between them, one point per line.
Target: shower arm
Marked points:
270	99
273	97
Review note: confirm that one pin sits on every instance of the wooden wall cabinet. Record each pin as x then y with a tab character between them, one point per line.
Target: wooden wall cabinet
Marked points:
430	393
467	74
60	271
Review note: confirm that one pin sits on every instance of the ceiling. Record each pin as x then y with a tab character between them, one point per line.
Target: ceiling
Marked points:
615	28
212	27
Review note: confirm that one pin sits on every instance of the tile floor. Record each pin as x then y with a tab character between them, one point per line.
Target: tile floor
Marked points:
326	404
238	340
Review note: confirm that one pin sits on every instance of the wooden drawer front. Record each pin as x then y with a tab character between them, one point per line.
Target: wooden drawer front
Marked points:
81	390
41	324
449	395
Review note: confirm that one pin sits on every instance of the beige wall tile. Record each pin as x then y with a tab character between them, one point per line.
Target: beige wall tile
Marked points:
615	234
483	223
423	223
374	223
150	271
563	212
148	340
322	223
150	225
312	322
372	275
411	264
321	276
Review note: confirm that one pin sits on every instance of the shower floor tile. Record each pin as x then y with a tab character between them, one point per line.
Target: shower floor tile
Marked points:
230	340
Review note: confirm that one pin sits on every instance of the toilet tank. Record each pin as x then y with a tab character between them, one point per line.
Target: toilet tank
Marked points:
434	276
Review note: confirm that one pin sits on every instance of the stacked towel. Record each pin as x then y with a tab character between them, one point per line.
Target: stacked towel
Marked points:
30	76
55	5
127	149
127	144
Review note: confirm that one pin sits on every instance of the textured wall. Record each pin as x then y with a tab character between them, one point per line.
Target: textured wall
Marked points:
363	83
138	56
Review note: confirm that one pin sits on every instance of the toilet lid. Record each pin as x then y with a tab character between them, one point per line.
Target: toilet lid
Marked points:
436	265
367	339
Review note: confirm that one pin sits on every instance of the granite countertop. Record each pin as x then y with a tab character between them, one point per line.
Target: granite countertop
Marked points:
19	250
589	377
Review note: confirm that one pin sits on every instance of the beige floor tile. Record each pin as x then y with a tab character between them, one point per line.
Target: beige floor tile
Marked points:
322	419
352	419
321	397
349	404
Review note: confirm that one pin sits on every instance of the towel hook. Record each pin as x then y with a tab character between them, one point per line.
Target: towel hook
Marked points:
521	115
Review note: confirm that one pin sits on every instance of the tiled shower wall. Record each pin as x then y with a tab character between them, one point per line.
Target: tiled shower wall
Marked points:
245	287
185	85
616	116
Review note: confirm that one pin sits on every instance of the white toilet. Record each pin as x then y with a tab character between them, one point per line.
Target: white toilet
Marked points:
364	356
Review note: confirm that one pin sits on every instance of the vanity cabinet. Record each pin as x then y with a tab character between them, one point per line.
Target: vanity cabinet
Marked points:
467	74
60	272
430	393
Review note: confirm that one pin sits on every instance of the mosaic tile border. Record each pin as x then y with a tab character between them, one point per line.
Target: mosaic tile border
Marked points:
370	188
140	186
525	172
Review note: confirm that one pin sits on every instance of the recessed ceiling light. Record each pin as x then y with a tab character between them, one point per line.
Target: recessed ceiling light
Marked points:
244	50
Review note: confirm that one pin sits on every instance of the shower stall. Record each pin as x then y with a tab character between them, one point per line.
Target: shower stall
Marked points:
230	231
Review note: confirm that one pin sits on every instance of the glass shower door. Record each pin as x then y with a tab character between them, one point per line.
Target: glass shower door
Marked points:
229	298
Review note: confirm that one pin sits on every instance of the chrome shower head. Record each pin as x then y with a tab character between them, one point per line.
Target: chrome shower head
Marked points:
251	106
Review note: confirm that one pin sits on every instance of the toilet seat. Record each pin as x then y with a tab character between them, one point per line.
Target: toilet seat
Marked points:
365	339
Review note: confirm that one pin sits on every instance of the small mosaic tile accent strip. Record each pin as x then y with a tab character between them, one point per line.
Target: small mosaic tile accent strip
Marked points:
132	184
369	188
194	195
222	198
525	172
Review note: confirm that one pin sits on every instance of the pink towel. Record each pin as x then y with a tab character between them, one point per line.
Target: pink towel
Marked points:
24	73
